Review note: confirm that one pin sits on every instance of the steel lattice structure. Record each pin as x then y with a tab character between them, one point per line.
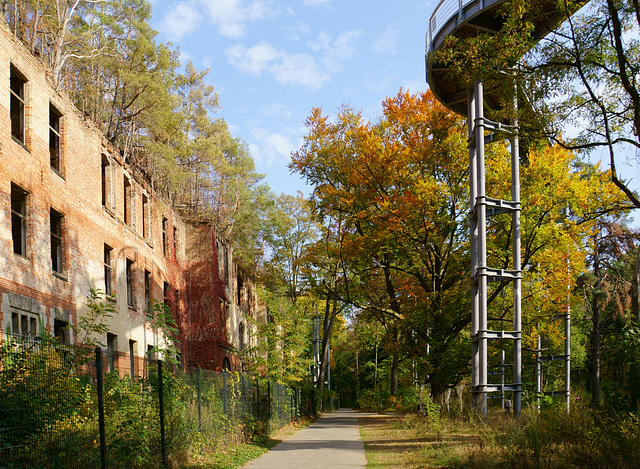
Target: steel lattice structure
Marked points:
465	18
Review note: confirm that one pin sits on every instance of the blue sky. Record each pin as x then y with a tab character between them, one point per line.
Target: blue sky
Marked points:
271	62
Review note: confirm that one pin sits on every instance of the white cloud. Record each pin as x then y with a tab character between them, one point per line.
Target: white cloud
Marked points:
232	16
387	42
284	67
297	30
253	60
337	51
179	21
269	149
300	69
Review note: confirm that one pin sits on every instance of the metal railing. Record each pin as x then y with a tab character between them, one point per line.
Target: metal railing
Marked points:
443	13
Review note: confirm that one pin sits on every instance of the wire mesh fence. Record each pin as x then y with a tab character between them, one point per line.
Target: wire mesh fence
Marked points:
59	409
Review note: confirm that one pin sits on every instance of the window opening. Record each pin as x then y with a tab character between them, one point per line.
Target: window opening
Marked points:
105	180
240	288
54	137
133	347
56	241
241	336
175	238
127	201
151	354
226	264
17	82
24	324
19	220
112	347
147	288
165	224
129	275
145	217
107	270
61	330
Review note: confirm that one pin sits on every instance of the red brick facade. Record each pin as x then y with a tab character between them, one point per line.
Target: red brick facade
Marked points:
92	221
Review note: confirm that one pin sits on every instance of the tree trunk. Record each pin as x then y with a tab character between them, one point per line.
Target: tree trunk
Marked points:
394	374
329	315
595	336
635	289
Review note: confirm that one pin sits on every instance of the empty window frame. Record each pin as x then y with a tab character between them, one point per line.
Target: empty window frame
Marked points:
226	264
19	220
61	330
54	137
165	293
146	218
130	284
175	241
147	288
56	242
17	88
151	355
241	333
127	201
133	349
112	348
165	227
23	323
105	177
108	270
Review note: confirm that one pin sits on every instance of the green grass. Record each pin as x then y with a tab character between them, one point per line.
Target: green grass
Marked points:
233	456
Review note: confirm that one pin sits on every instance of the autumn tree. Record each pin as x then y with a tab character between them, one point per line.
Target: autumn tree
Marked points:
399	189
607	291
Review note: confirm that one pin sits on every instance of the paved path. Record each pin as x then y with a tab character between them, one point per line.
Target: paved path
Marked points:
331	441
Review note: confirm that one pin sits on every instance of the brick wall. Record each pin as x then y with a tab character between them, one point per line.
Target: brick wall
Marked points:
28	285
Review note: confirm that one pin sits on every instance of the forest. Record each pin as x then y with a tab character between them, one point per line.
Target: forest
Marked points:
378	254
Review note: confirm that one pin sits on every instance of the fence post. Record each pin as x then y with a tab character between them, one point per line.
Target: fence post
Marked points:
199	402
257	398
290	392
161	402
224	393
269	401
103	437
243	395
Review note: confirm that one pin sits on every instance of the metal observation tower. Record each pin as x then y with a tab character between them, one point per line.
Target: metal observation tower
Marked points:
466	18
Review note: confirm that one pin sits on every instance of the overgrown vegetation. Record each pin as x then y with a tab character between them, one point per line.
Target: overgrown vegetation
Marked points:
49	406
551	439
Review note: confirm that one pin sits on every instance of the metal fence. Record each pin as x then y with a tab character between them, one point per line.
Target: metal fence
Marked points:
61	411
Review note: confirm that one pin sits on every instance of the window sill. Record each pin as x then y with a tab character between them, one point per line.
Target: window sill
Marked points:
19	142
22	257
132	308
60	276
57	171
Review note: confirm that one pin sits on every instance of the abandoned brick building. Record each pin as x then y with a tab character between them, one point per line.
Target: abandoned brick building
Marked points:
75	216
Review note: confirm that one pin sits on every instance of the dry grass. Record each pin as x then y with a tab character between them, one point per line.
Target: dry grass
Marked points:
396	441
549	440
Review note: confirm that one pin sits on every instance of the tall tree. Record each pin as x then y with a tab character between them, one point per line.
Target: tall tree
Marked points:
400	188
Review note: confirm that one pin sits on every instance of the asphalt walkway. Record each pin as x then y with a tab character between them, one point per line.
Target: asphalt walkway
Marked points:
332	441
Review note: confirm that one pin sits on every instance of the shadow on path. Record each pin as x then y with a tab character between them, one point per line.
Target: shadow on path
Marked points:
331	441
